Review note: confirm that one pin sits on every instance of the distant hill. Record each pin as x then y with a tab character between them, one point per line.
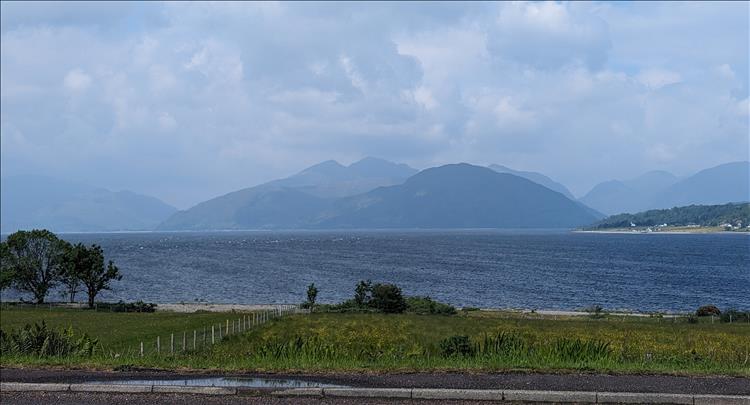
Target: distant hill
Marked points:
717	185
459	196
704	215
330	179
615	196
64	206
536	178
292	202
725	183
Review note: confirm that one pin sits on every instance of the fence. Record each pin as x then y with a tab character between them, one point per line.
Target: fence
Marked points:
209	335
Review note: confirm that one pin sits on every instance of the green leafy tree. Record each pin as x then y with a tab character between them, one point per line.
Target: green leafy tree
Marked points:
36	260
388	298
94	275
7	270
76	258
362	293
312	294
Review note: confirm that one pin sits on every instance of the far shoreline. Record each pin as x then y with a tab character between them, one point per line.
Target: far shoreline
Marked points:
194	307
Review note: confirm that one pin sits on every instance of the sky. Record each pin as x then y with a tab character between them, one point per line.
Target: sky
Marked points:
187	101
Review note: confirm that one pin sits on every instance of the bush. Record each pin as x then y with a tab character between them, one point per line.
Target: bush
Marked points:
692	319
456	346
733	315
708	310
138	306
595	311
426	305
469	309
39	340
388	298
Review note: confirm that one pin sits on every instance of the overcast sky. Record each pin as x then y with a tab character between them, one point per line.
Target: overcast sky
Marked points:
186	101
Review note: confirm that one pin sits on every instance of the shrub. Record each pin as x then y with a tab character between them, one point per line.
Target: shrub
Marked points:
138	306
388	298
733	315
456	346
42	341
708	310
595	311
312	294
426	305
363	293
692	319
469	309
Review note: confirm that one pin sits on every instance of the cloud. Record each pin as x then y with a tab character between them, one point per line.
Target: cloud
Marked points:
218	96
77	81
656	78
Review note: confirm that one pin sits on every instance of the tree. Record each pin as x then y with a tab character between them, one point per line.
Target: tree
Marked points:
76	258
36	259
7	270
312	294
94	276
388	298
362	293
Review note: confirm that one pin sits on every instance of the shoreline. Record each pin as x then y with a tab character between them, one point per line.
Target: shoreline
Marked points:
675	232
195	307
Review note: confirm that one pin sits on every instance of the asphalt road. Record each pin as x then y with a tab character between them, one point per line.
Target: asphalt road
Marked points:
521	381
76	398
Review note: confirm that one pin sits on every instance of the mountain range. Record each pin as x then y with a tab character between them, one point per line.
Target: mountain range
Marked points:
29	202
729	182
291	202
458	196
370	193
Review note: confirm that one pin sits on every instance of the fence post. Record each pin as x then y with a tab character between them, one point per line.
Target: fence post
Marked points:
158	345
184	341
213	340
171	343
227	332
195	337
141	348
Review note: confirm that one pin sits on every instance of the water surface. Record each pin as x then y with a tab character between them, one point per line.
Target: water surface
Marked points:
484	268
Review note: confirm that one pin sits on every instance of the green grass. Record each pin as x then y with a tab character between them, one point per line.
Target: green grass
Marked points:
119	332
375	342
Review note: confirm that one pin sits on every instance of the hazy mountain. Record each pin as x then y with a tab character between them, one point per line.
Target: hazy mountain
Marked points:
459	196
536	178
291	202
722	184
615	196
725	183
331	179
58	205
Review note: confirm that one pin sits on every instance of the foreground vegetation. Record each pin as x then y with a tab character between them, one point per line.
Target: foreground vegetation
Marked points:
470	340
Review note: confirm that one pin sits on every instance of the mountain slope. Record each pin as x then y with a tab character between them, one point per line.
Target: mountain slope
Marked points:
615	196
536	178
459	196
725	183
291	202
64	206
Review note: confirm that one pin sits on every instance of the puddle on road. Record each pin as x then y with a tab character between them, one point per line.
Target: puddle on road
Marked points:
240	382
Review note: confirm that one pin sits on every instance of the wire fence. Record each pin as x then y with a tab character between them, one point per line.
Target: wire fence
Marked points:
202	338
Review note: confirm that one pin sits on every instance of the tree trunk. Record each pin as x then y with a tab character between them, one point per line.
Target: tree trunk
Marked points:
39	296
92	295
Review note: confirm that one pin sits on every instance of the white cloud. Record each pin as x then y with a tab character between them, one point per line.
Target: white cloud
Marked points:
265	90
77	81
657	78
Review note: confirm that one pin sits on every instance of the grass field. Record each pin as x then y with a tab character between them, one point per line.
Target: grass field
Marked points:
376	342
